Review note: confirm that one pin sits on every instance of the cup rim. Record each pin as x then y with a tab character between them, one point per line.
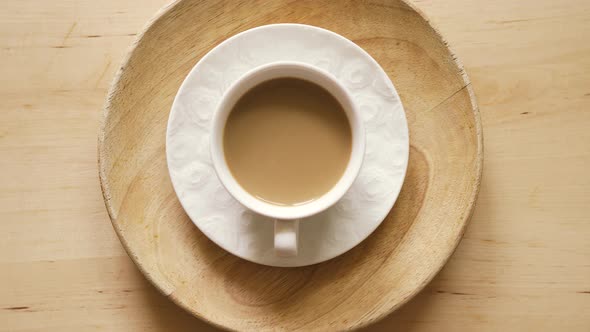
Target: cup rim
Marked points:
251	79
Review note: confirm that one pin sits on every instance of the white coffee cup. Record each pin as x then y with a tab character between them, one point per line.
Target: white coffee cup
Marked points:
286	217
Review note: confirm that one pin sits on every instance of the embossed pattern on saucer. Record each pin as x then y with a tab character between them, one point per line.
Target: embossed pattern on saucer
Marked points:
224	220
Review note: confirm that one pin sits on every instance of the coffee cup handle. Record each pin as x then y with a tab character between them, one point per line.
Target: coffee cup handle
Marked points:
286	237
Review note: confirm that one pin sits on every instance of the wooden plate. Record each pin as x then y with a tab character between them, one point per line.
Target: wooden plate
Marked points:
353	290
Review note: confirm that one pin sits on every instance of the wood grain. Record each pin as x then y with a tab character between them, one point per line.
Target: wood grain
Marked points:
522	265
355	289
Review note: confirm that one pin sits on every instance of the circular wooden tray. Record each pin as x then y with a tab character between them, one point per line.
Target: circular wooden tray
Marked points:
352	290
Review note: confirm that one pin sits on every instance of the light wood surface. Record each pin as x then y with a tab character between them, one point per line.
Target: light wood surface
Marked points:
523	264
351	291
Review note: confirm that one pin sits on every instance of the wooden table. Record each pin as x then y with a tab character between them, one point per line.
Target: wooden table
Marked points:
524	263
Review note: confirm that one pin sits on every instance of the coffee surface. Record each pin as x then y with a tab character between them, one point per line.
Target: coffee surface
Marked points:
287	141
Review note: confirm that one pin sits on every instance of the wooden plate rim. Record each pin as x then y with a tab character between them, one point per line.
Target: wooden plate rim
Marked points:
104	185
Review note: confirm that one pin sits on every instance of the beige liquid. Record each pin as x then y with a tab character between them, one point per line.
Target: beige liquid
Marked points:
287	141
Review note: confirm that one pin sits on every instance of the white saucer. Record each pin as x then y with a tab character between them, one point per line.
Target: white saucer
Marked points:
242	232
